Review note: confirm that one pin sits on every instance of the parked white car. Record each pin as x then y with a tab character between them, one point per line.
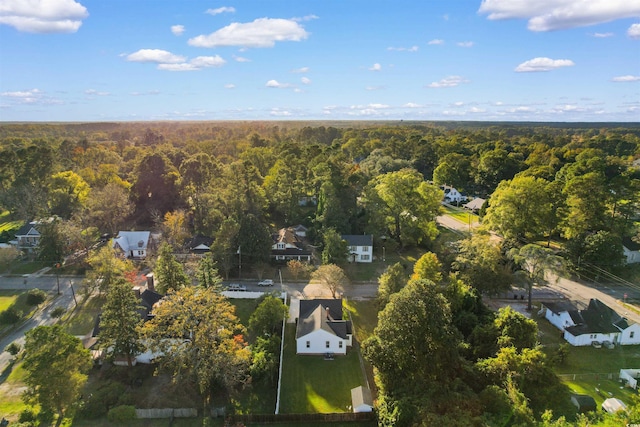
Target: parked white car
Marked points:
236	287
266	282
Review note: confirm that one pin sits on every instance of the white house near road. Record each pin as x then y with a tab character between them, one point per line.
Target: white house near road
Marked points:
321	329
360	247
133	244
597	322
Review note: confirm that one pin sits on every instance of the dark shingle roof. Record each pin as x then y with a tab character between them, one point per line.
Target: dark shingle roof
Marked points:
598	318
358	239
628	243
559	307
313	316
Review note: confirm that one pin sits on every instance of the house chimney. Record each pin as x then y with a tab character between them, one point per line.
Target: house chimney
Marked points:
150	284
136	290
328	313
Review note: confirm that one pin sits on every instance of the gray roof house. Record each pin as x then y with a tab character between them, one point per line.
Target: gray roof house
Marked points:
321	328
360	247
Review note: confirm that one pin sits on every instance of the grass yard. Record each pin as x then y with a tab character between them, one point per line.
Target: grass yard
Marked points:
364	315
7	298
8	226
606	388
600	360
244	309
460	214
311	384
82	319
20	267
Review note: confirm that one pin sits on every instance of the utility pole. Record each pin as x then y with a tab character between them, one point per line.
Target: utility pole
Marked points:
58	276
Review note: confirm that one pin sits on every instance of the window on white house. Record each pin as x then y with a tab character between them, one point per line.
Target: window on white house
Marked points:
631	334
364	257
353	248
328	344
140	252
280	245
308	344
365	249
340	344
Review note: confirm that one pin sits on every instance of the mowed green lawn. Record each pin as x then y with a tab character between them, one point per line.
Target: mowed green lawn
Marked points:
7	298
311	384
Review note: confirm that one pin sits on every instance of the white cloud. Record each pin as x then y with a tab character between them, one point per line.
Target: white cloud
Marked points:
219	10
404	49
465	44
476	110
551	15
305	18
412	105
150	92
93	92
155	55
375	67
177	30
43	16
625	79
543	64
32	96
301	70
602	35
196	64
436	41
634	31
375	88
458	104
305	80
229	86
451	81
276	84
263	32
280	113
241	59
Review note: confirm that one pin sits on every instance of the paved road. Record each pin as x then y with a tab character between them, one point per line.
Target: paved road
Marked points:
40	318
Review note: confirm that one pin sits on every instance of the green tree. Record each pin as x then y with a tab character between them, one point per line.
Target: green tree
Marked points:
454	169
225	246
481	263
67	193
155	186
514	329
51	249
169	272
521	208
254	240
335	250
264	358
106	268
534	261
267	318
200	339
56	366
403	206
428	267
414	347
174	228
119	335
391	281
108	207
207	273
332	277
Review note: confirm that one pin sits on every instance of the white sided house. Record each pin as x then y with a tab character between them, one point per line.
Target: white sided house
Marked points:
27	237
597	322
321	329
133	244
451	195
631	250
360	247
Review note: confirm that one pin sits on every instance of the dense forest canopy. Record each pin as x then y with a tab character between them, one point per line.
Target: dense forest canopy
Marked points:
325	175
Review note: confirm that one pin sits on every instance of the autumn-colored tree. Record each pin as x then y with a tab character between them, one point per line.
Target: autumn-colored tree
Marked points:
428	267
200	339
332	277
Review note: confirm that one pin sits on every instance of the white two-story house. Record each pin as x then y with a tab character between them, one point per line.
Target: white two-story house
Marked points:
360	247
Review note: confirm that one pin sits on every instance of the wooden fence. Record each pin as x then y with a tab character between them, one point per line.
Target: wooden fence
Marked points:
167	413
577	377
302	419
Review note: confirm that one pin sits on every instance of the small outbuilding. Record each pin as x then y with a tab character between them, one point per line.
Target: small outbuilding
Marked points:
361	400
613	405
584	403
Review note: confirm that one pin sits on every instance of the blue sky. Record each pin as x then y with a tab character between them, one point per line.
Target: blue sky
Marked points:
513	60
